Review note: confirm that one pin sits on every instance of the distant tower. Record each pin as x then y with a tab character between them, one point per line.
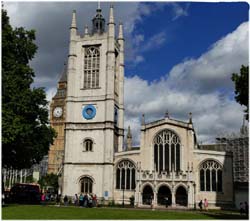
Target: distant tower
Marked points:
94	122
57	121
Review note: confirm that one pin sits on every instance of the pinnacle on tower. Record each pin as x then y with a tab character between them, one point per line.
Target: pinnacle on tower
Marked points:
86	30
73	23
129	135
111	15
190	118
120	34
98	22
167	114
143	119
129	139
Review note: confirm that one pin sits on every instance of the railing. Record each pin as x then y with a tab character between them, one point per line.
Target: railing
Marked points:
163	176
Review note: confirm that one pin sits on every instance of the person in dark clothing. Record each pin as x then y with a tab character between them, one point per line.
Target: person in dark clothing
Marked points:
58	199
85	200
200	205
246	208
241	208
166	202
65	200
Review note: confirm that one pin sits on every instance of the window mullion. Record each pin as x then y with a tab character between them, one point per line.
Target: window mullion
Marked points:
130	180
163	152
216	177
211	177
205	180
125	181
120	178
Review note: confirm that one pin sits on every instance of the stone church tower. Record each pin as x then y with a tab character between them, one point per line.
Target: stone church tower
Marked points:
57	121
94	119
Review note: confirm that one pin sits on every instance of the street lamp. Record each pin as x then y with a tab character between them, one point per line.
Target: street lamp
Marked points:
195	196
123	187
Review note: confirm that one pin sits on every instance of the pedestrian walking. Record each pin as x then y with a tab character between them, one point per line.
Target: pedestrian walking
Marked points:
206	204
85	200
246	208
76	199
90	203
94	200
81	199
65	200
43	198
200	205
242	208
58	199
166	202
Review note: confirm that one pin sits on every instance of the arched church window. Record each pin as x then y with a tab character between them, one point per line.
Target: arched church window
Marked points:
88	145
211	176
86	185
91	67
125	175
167	151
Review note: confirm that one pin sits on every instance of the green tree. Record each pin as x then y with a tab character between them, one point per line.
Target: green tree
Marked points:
241	87
26	136
49	180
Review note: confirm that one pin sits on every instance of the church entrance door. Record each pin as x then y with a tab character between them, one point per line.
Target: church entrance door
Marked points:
181	196
147	195
164	196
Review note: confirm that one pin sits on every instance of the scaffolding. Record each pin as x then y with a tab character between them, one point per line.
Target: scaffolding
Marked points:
237	143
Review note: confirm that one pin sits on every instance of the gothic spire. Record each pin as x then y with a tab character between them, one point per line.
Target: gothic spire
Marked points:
73	23
129	135
190	118
64	73
120	34
111	15
129	139
86	30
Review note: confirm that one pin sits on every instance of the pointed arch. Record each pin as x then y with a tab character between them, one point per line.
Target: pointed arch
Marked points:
91	67
167	151
125	174
86	184
210	175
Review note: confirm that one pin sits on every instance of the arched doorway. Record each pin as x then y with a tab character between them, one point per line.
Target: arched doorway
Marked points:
181	196
164	196
147	195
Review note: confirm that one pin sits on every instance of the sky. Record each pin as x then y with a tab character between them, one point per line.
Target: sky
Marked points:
179	57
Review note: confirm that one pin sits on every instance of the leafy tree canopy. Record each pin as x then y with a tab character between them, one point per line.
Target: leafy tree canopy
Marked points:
241	87
26	136
49	180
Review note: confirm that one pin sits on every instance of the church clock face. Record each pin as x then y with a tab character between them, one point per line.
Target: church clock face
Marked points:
57	112
89	112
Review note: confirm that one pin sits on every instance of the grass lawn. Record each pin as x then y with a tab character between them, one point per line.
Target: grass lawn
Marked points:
53	212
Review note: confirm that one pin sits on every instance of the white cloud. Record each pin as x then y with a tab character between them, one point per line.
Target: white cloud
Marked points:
50	93
214	68
138	59
195	86
179	11
155	42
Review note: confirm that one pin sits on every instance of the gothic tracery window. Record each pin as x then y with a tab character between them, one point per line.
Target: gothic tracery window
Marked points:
167	151
86	185
88	145
211	176
125	175
91	67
